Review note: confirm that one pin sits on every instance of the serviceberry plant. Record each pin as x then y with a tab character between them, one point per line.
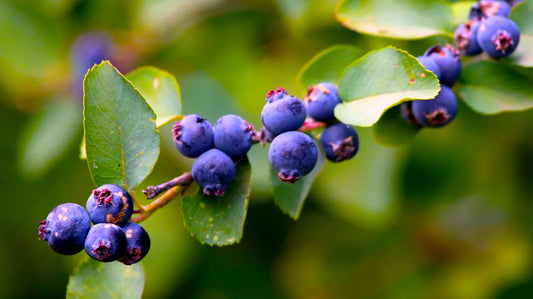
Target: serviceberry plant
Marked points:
387	88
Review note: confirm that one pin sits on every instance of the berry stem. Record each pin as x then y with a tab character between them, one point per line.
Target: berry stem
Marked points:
183	180
310	125
136	201
163	200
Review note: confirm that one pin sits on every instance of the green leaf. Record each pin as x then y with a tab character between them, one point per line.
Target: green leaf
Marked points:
408	19
521	14
327	66
392	130
380	80
122	142
290	197
48	136
161	91
93	279
219	220
490	87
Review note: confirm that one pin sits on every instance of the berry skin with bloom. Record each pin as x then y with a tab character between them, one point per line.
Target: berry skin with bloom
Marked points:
193	135
449	62
437	112
293	154
498	36
105	242
65	228
430	65
465	38
214	171
110	203
233	135
282	115
321	100
340	142
137	243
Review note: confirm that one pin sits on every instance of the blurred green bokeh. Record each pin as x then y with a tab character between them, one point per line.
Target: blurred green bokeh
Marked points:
447	216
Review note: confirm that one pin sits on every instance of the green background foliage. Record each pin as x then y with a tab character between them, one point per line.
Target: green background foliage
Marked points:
446	214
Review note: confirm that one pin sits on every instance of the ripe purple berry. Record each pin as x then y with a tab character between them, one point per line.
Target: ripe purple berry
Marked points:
437	112
498	36
214	171
430	65
407	113
283	114
465	38
449	62
65	228
110	203
293	154
193	135
105	242
137	245
340	142
321	100
233	135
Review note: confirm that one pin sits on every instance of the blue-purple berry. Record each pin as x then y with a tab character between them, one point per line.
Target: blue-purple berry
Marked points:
110	203
340	142
105	242
233	135
137	243
89	48
193	135
213	171
321	100
437	112
276	94
488	8
407	113
449	61
283	114
65	228
465	38
498	36
430	65
293	154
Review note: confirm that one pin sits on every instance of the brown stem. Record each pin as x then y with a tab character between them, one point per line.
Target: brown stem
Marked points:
183	180
160	202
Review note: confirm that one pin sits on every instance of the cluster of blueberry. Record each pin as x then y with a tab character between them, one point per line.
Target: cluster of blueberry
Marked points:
67	228
292	153
488	30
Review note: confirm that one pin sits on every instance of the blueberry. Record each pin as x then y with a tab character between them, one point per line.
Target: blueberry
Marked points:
110	203
321	100
276	94
449	62
65	228
233	135
498	36
465	38
193	135
283	114
137	245
105	242
437	112
293	154
340	142
214	171
430	65
89	48
407	113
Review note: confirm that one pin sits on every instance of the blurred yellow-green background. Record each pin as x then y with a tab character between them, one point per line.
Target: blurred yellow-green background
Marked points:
447	216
